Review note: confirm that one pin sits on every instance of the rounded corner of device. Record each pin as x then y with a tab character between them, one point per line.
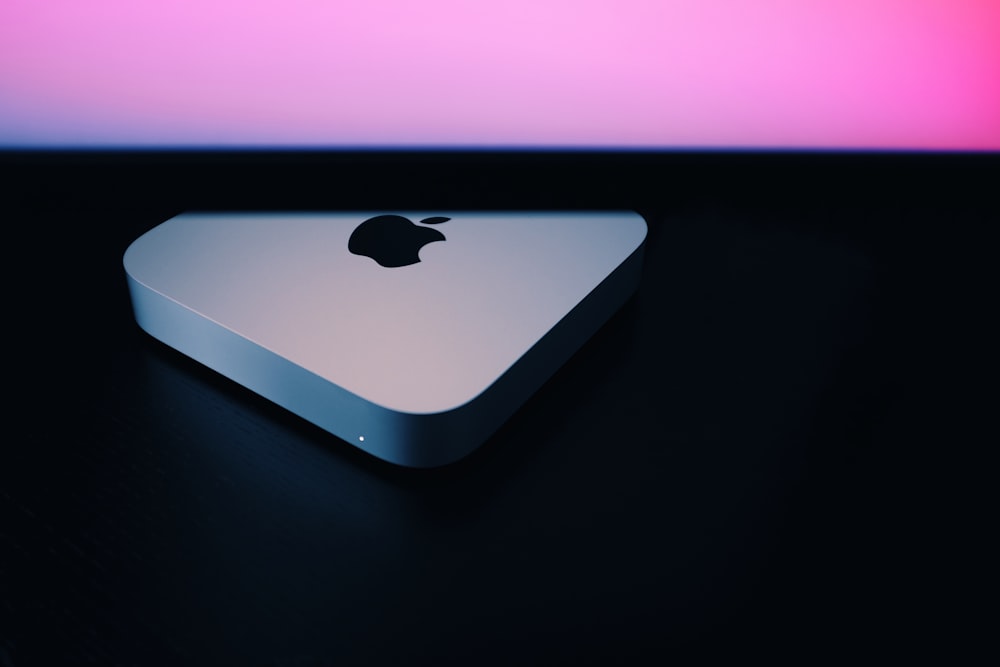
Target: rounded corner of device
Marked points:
127	259
418	448
434	438
131	262
131	276
642	226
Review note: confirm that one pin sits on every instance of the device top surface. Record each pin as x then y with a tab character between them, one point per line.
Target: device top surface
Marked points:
421	337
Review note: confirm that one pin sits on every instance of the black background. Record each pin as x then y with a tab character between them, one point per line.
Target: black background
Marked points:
770	450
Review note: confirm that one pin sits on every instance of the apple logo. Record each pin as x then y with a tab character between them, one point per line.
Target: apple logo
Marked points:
392	240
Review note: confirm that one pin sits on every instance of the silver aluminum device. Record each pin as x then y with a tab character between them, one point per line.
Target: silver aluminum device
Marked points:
411	335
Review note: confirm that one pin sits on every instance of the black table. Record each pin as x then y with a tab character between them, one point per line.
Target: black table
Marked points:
756	455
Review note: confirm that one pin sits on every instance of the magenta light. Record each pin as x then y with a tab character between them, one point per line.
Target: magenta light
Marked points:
874	74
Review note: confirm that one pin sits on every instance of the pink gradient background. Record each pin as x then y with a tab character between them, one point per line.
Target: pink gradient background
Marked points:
892	74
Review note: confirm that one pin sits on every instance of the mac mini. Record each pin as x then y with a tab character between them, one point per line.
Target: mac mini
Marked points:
412	336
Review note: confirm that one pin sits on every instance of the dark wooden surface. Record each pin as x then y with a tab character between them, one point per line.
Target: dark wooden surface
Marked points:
764	452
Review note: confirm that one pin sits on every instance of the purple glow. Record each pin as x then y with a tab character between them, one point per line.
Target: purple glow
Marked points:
888	74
